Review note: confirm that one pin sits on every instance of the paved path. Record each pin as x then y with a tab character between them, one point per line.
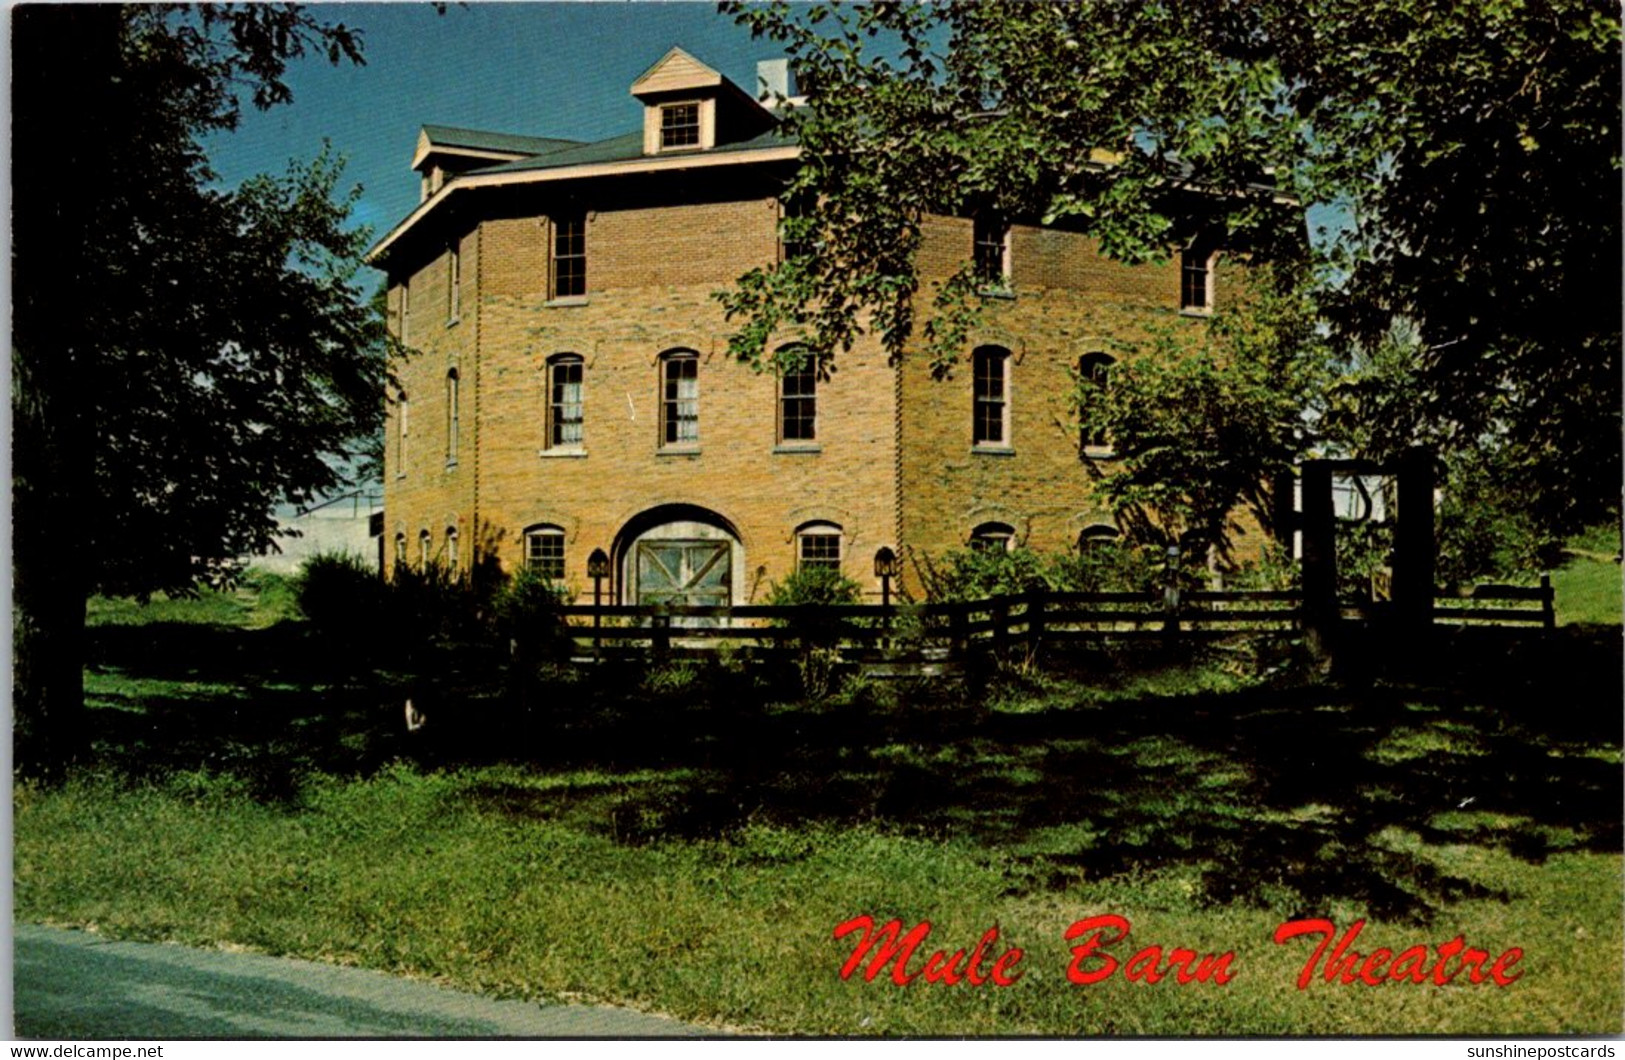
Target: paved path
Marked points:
71	984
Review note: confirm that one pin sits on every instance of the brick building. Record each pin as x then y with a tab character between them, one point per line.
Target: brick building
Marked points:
573	391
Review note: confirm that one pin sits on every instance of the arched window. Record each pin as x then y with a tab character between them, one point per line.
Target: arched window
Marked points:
425	550
798	401
1096	537
1094	371
990	407
999	537
451	551
564	407
400	549
454	282
680	397
544	550
818	545
1196	277
403	427
452	414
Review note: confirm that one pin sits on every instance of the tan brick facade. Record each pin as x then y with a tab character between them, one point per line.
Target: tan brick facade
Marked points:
893	461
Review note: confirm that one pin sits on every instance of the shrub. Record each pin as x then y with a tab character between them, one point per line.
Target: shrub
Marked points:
815	585
337	591
525	608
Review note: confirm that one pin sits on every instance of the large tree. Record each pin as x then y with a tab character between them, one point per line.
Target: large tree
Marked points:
1467	153
184	355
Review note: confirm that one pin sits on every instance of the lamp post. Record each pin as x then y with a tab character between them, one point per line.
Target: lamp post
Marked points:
887	567
597	570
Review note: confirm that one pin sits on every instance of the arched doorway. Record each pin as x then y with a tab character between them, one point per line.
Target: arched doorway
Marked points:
679	554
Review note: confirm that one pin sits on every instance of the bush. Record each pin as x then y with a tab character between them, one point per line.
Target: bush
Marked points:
526	608
337	591
815	585
976	574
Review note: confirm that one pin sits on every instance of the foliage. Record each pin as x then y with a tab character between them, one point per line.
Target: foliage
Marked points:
184	355
526	606
971	574
1468	155
338	591
1201	420
815	585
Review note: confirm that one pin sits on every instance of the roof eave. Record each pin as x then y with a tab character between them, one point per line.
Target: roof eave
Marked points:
623	167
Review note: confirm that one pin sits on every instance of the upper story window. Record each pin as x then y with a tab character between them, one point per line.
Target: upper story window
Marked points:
680	398
679	125
798	403
991	251
818	545
1094	369
564	406
570	256
406	308
993	537
1196	278
454	283
794	215
452	416
403	427
990	407
544	551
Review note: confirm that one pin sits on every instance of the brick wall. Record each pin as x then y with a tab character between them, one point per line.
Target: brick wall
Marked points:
656	252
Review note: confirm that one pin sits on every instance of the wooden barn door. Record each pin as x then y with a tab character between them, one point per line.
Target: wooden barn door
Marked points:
685	573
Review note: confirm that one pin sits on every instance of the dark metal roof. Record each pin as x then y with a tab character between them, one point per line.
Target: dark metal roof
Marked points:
625	148
479	140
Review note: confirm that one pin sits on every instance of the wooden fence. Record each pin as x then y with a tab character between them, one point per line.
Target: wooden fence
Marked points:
1002	623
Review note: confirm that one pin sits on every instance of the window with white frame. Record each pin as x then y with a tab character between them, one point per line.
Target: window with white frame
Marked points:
1196	278
1094	371
798	402
818	545
679	125
406	308
453	386
990	404
991	250
993	537
564	401
680	398
570	255
451	551
544	551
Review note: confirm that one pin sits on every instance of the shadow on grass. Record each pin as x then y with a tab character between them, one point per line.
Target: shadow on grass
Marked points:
1291	796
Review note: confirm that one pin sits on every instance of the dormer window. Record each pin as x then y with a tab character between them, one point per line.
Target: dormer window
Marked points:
679	125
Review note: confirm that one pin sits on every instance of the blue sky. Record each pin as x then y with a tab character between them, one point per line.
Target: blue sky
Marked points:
543	69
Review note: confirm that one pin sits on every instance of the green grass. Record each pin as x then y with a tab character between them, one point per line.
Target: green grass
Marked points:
1588	592
686	840
262	599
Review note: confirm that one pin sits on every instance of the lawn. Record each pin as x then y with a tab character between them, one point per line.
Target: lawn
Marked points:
687	839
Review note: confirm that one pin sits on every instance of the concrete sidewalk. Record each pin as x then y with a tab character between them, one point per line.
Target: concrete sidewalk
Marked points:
71	984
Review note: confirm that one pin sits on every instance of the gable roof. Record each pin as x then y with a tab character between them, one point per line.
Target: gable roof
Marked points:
676	71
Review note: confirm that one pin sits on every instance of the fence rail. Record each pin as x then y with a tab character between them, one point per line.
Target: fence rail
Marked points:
1000	623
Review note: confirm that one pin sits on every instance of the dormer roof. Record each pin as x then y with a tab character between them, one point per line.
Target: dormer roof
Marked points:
677	71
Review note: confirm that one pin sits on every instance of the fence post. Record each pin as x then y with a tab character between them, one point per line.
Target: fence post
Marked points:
660	623
1035	614
1170	595
1548	603
958	639
1001	626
